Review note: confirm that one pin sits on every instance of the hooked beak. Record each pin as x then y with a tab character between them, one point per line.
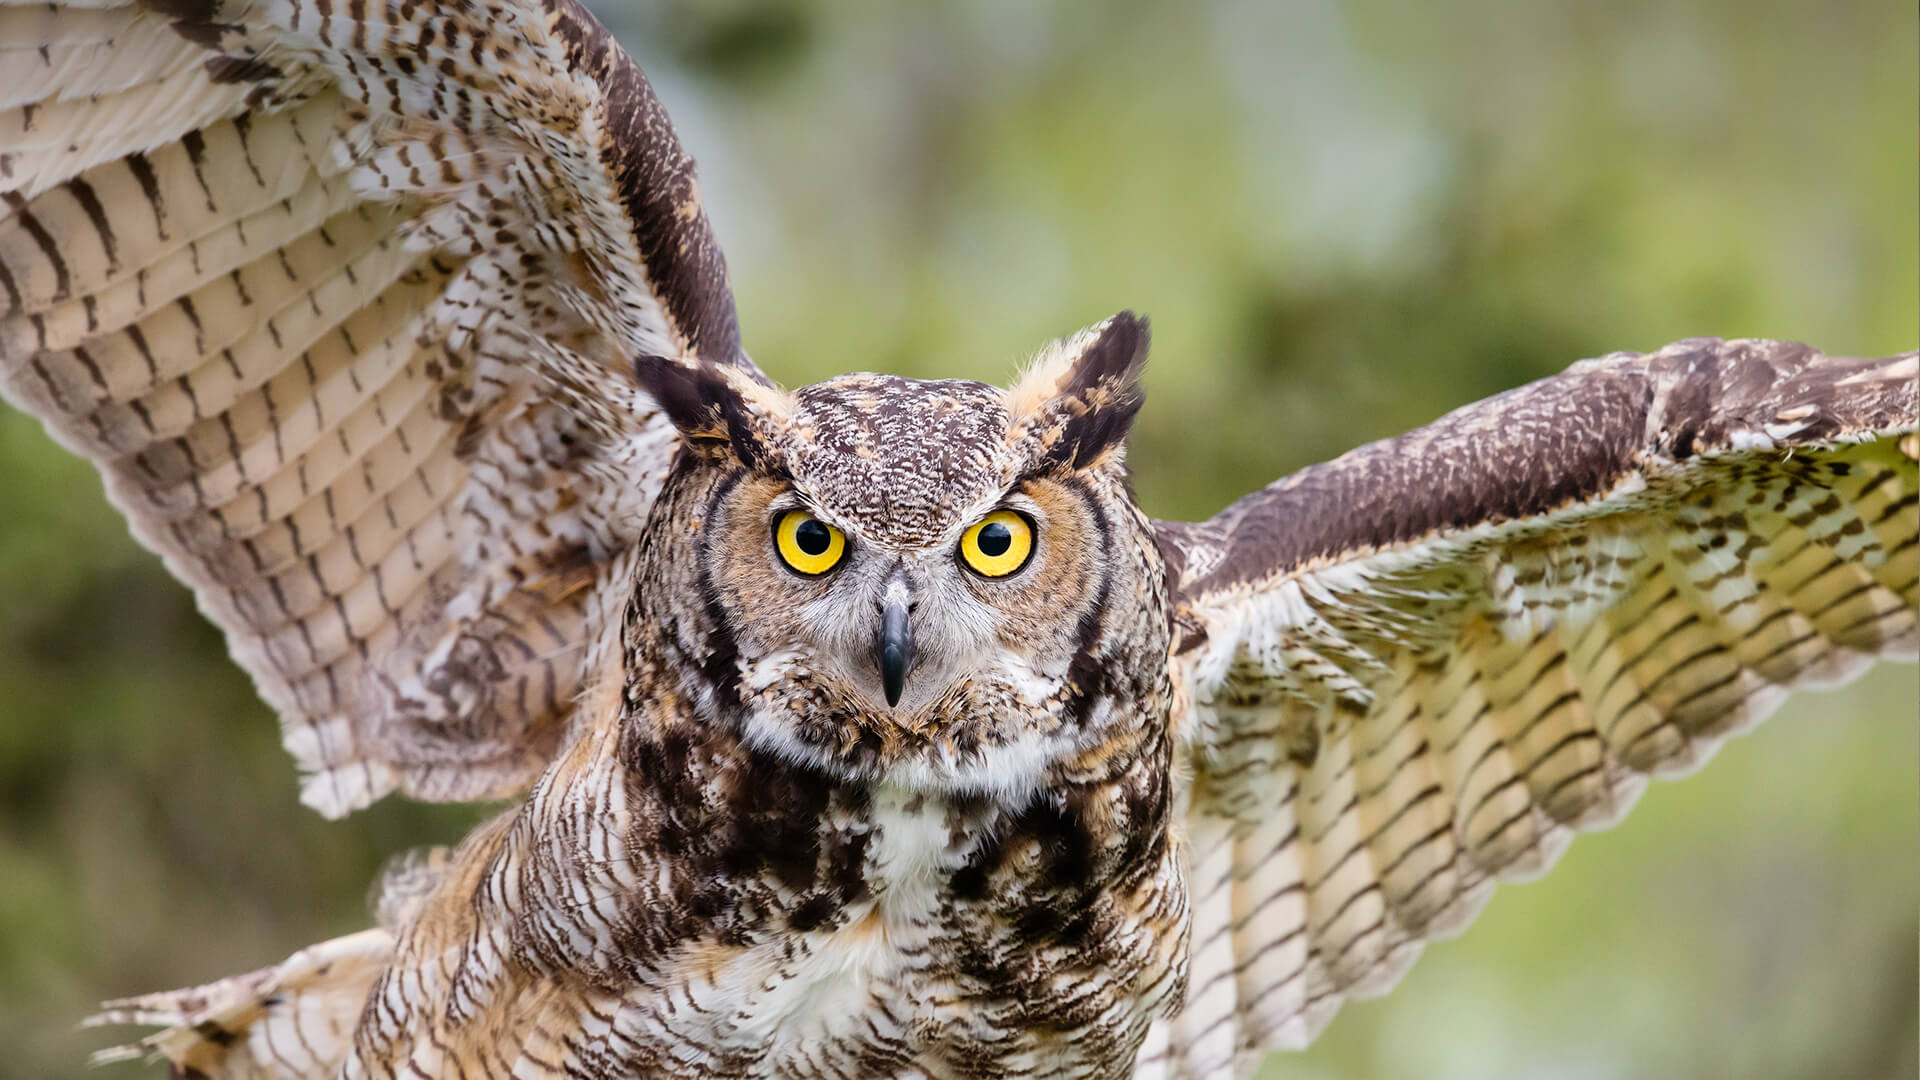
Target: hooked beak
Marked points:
894	648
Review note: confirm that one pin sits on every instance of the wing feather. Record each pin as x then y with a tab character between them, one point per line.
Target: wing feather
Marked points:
341	301
1417	670
54	55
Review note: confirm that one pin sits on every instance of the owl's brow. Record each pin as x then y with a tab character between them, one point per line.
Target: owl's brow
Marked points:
1013	497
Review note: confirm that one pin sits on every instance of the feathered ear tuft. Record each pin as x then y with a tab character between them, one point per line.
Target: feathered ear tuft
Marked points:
720	411
1079	398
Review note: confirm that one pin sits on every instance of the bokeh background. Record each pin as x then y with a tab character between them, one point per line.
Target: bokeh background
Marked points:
1344	217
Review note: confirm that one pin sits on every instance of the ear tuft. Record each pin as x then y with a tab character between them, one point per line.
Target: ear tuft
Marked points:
717	411
1081	395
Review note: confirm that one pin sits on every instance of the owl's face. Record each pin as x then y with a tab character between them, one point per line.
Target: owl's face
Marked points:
917	578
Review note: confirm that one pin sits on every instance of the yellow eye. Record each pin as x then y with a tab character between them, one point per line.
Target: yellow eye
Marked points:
998	544
807	544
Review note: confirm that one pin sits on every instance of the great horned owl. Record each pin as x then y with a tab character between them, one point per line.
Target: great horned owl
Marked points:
868	729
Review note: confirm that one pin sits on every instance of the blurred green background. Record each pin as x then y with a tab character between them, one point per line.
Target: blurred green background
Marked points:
1343	218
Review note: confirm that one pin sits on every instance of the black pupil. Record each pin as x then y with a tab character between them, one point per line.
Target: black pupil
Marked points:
995	538
813	537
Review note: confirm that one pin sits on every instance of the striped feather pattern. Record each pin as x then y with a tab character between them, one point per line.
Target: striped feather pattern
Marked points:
1379	736
293	1020
305	281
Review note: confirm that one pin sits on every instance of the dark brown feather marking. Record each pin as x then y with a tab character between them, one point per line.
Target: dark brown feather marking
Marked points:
1529	451
706	409
182	10
206	34
237	69
1521	453
97	216
1101	395
657	186
13	290
62	282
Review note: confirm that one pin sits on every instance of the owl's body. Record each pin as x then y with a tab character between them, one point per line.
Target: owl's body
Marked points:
868	729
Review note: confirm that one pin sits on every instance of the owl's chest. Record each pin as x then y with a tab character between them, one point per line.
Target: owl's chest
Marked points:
984	945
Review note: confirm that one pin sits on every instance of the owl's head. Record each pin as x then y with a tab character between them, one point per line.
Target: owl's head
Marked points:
942	584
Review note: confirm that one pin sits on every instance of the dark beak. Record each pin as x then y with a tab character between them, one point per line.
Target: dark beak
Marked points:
894	649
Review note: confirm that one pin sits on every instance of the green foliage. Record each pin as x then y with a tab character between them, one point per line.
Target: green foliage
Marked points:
1343	218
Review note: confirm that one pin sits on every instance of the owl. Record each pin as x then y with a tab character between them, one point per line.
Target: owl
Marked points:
867	729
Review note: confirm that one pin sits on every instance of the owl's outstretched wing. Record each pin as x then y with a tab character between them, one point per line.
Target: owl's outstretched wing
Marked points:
1416	670
341	297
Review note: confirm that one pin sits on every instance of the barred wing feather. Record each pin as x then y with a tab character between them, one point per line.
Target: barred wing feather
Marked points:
1418	669
341	298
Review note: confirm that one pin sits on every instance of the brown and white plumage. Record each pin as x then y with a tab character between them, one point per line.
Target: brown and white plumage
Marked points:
335	296
397	329
1416	670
